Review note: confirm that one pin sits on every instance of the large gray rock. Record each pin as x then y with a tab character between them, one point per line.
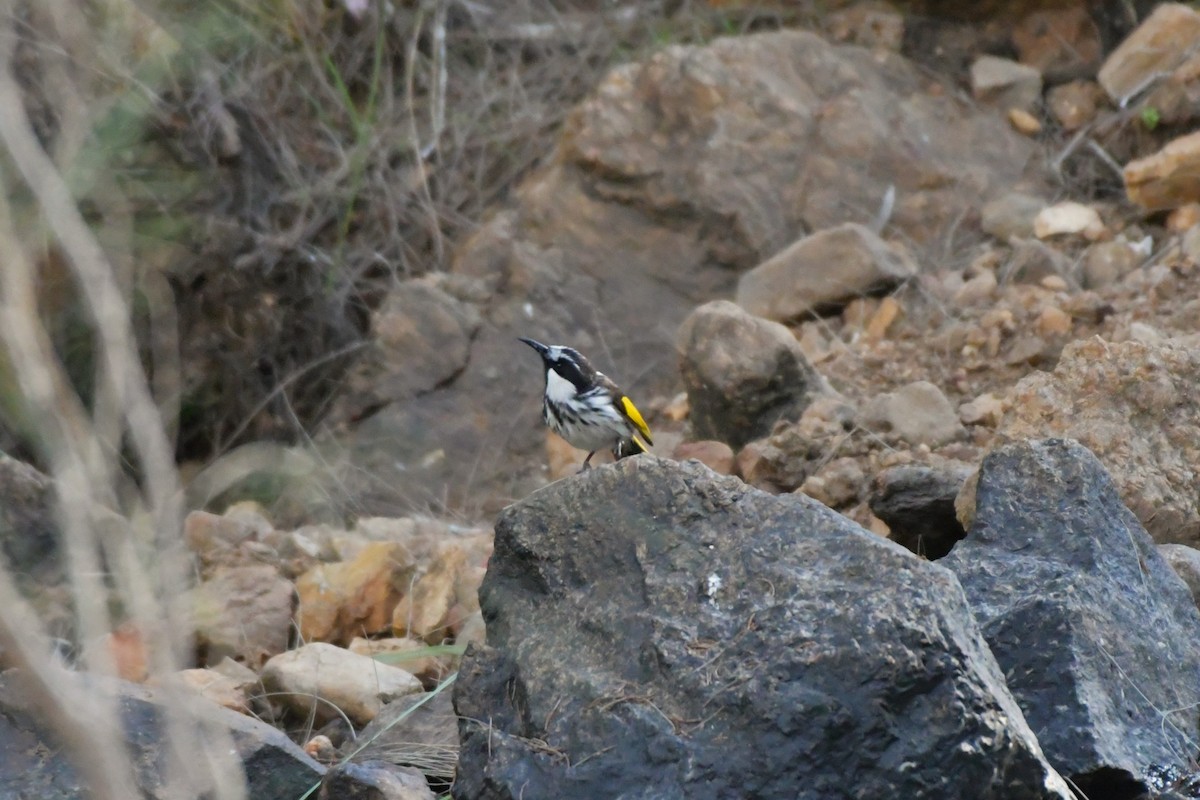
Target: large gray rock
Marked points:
743	373
1099	640
658	631
28	531
674	176
34	764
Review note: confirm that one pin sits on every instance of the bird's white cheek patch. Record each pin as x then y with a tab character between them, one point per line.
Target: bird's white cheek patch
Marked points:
558	388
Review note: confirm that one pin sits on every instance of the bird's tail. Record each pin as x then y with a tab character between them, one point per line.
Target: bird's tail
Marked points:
630	447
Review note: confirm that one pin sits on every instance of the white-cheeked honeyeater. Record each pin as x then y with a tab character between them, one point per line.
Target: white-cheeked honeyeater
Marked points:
584	406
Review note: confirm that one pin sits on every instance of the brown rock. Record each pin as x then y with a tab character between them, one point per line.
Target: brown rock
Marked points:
218	540
917	413
976	291
422	338
743	373
836	484
868	24
1105	263
220	689
355	598
1075	104
1135	406
128	650
1023	122
1176	99
423	612
1184	218
1068	218
1156	47
244	613
1032	261
884	317
717	456
1011	215
322	679
1004	84
986	410
802	279
1168	178
1060	43
1053	322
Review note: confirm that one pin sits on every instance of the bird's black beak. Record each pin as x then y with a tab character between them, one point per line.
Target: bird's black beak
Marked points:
536	345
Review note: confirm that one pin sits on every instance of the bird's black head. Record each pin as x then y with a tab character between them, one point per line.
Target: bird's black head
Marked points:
566	362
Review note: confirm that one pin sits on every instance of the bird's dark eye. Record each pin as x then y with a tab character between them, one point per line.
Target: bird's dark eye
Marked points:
569	370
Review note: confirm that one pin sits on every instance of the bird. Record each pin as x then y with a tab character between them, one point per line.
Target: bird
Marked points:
584	406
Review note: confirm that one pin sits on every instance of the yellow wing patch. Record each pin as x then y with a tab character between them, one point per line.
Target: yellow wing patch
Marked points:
630	410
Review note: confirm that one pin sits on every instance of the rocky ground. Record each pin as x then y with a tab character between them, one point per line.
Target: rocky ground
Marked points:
948	290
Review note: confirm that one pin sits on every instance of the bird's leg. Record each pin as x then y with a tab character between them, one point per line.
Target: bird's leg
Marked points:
586	460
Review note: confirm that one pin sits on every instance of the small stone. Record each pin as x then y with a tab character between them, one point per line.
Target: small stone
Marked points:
128	651
1003	83
918	413
1032	350
422	613
874	25
319	677
1141	332
1060	43
1011	215
837	484
1053	322
717	456
244	613
1055	283
1184	218
1023	122
677	409
976	291
217	540
1105	263
798	280
1066	218
1169	178
1032	261
751	463
321	748
986	410
858	311
1156	47
1075	104
884	317
220	689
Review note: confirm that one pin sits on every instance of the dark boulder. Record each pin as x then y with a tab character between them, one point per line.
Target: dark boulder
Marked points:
34	762
1098	638
658	631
